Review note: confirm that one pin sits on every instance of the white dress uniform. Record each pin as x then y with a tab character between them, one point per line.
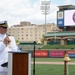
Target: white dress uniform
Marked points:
4	52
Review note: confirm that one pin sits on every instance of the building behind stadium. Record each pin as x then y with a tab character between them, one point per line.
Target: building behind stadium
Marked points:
27	32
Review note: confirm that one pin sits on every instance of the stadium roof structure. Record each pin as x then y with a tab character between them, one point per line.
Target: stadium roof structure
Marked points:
64	33
65	7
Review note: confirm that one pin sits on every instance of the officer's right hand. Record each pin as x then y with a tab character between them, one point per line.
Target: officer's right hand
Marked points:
6	40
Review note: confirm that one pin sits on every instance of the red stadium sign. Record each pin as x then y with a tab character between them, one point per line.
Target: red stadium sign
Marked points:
71	51
41	53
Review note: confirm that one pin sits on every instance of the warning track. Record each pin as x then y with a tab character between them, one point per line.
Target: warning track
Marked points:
56	63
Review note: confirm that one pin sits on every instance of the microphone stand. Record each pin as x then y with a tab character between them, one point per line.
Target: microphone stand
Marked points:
34	60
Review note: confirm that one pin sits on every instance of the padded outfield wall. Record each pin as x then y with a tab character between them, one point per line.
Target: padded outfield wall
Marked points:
52	53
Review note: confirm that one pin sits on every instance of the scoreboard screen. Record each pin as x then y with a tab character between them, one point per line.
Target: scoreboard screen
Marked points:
66	18
69	18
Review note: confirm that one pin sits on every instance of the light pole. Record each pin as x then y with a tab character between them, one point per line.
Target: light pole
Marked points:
54	29
45	7
55	34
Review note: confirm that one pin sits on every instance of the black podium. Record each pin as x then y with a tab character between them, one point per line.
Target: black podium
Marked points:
19	63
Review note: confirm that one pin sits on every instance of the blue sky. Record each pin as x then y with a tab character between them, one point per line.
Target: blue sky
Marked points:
15	11
33	1
62	2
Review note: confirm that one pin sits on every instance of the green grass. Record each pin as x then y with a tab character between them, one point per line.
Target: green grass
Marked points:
49	69
52	69
31	47
52	59
58	47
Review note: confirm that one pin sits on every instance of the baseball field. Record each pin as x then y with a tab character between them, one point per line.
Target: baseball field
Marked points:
52	66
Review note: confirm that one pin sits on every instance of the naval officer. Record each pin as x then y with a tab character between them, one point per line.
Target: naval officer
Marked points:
7	43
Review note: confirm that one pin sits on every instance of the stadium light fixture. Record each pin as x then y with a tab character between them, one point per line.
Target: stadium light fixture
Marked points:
45	7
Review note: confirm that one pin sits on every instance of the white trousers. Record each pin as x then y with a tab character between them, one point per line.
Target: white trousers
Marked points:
3	73
3	70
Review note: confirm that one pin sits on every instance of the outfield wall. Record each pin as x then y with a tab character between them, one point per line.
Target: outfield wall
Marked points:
53	53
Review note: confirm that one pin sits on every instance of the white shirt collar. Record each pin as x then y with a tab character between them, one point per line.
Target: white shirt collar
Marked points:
2	36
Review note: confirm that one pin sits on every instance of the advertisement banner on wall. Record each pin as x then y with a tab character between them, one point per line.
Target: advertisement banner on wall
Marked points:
71	53
56	53
41	53
60	19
